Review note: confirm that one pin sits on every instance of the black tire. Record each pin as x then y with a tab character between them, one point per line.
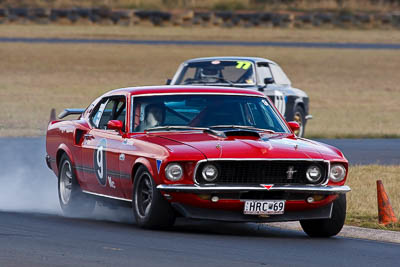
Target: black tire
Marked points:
300	117
327	227
76	203
150	208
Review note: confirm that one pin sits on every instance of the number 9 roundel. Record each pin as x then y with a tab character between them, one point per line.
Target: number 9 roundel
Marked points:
100	162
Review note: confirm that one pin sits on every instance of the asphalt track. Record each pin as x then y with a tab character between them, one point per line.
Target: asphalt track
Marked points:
33	232
48	240
368	151
373	46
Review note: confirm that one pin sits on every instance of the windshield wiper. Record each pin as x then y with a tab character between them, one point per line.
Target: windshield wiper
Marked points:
177	127
241	127
194	81
225	80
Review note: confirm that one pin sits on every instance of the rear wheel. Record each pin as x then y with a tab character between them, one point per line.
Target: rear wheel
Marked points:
150	208
327	227
72	201
300	118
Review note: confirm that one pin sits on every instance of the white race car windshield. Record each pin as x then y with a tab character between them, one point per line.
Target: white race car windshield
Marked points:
218	72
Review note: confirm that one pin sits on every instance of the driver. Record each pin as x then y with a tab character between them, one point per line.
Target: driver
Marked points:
210	73
154	116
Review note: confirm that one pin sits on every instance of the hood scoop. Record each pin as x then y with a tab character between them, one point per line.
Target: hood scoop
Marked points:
237	132
233	132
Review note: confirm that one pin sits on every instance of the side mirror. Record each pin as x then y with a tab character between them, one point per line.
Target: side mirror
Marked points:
294	125
168	82
115	125
268	80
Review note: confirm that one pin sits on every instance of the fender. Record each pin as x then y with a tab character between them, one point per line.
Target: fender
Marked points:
146	163
65	149
335	149
297	102
304	102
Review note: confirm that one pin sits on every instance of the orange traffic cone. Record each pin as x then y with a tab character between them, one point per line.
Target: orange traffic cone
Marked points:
385	211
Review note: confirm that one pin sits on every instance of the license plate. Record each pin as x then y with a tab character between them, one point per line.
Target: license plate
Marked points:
257	207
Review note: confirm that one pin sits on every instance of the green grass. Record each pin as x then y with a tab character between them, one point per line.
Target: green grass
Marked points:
202	33
353	93
362	207
370	222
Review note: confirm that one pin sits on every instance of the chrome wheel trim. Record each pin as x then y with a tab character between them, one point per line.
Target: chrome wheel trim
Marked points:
297	118
66	182
144	195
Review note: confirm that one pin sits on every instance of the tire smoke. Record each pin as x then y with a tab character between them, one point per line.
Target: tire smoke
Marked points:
28	185
26	182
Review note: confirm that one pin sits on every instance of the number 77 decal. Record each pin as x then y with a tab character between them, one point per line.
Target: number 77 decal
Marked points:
243	65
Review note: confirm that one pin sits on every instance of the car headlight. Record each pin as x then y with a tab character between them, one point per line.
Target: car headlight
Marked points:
174	172
314	173
337	173
209	173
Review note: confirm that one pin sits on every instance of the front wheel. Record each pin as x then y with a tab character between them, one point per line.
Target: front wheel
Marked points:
72	201
150	208
300	118
327	227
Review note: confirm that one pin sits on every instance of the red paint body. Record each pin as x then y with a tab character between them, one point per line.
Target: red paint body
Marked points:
78	139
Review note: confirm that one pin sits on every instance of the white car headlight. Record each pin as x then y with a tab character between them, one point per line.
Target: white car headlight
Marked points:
313	173
174	172
337	173
210	173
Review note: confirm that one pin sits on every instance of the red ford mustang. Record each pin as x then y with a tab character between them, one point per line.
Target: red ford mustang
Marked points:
204	153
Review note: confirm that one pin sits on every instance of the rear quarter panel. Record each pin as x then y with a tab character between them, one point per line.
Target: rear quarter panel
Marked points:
61	138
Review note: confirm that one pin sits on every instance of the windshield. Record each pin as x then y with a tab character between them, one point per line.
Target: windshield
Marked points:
199	111
218	72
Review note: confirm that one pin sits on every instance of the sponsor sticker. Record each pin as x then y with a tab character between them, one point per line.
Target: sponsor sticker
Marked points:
111	183
243	65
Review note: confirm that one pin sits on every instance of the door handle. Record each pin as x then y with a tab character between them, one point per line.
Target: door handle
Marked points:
88	136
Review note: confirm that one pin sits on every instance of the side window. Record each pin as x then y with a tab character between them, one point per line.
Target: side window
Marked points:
113	108
98	112
263	72
120	111
279	76
107	113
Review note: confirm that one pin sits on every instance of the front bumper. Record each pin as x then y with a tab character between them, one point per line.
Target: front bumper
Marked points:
195	201
324	190
324	212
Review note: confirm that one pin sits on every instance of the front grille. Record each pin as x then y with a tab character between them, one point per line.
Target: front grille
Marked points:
260	195
262	171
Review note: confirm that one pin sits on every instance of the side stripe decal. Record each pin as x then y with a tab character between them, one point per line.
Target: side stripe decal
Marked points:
112	173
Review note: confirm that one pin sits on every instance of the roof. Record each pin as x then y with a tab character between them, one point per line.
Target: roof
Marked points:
252	59
163	89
